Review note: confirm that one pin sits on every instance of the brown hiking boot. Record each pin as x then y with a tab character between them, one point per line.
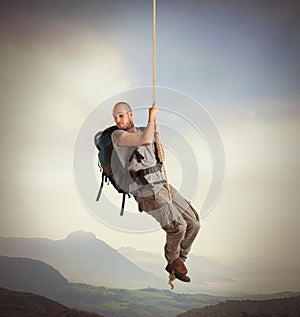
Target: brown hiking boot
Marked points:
183	278
178	268
179	276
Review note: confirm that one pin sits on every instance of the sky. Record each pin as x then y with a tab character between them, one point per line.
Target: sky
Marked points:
234	65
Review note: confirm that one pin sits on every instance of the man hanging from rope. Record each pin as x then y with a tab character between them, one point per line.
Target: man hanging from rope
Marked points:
135	148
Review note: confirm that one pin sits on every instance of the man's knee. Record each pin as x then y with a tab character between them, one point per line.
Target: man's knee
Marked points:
177	227
195	222
181	228
196	226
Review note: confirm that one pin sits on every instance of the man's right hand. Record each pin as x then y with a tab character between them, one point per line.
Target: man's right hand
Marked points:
153	112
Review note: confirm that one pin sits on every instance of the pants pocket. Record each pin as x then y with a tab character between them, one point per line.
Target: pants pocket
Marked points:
194	210
174	225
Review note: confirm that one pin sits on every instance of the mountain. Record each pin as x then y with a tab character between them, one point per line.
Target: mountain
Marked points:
244	277
23	274
30	275
208	270
287	307
20	304
203	271
81	257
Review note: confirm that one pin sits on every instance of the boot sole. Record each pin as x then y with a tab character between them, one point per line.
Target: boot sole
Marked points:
179	276
169	269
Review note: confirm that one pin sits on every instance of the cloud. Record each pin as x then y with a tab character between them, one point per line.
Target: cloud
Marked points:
50	83
51	77
257	213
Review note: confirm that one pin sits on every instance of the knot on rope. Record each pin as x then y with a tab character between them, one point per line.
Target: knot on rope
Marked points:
172	278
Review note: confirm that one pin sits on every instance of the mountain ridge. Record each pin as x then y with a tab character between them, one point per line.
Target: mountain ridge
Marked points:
25	304
30	275
83	258
105	301
287	307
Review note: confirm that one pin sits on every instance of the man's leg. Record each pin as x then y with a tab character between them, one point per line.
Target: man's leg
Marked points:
171	220
193	226
175	233
191	219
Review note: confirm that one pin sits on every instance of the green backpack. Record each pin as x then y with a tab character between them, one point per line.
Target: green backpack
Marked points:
117	177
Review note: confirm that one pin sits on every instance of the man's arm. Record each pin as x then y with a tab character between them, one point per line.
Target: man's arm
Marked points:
146	138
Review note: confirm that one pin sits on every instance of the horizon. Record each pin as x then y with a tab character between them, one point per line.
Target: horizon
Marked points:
247	276
270	303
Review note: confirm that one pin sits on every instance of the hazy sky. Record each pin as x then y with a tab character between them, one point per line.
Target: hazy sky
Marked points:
60	60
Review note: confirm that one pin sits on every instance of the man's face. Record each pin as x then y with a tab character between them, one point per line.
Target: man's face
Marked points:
123	118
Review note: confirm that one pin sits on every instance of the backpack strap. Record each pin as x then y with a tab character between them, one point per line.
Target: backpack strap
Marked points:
140	174
104	178
101	186
123	204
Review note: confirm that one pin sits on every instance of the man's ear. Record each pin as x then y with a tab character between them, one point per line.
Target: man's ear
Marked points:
130	114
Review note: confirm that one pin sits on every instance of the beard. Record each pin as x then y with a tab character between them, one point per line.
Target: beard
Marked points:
126	125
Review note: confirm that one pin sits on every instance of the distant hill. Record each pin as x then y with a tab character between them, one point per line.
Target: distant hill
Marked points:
286	307
23	274
42	279
202	270
30	275
19	304
81	257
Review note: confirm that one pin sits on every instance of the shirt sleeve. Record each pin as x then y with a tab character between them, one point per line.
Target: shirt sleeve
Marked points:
115	136
134	139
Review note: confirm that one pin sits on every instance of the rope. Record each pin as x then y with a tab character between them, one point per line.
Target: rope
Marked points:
172	278
159	145
154	52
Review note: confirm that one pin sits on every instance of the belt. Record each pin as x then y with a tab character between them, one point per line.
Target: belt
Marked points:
140	174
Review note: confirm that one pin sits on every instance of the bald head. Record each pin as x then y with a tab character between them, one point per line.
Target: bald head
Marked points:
122	114
120	108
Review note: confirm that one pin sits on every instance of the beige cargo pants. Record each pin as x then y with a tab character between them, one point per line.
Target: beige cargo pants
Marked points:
178	218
